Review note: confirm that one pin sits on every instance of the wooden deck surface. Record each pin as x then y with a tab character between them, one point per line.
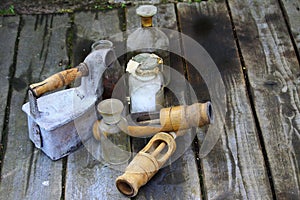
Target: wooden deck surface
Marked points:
255	45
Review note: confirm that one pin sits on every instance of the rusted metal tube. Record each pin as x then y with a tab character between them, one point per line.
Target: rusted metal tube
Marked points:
146	163
59	79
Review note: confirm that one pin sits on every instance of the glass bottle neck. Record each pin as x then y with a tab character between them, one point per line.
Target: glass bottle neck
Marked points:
146	21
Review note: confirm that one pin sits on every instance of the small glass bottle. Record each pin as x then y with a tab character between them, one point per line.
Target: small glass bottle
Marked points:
149	39
146	84
113	72
115	143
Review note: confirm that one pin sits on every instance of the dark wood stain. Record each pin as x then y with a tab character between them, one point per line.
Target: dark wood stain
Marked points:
81	50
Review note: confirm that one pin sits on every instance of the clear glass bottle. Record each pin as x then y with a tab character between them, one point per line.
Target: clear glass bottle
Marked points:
113	72
115	143
145	82
149	39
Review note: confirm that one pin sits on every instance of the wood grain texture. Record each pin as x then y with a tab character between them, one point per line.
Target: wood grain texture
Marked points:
179	179
7	47
87	176
274	76
98	27
27	173
292	11
235	168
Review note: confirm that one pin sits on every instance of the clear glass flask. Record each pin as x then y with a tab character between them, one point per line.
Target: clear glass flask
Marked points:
149	39
115	143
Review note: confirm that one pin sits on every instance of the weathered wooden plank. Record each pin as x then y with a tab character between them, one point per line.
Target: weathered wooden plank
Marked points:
7	44
274	76
27	173
235	168
292	11
87	176
180	179
98	27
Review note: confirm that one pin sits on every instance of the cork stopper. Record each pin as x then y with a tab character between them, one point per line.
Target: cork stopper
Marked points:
110	110
146	12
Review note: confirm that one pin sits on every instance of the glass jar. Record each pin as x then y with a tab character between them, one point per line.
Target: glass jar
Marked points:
115	143
145	82
149	39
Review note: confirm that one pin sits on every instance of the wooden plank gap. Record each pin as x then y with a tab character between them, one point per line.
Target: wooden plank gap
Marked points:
286	21
63	179
46	42
31	164
123	27
70	40
252	106
195	145
12	70
184	64
122	19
